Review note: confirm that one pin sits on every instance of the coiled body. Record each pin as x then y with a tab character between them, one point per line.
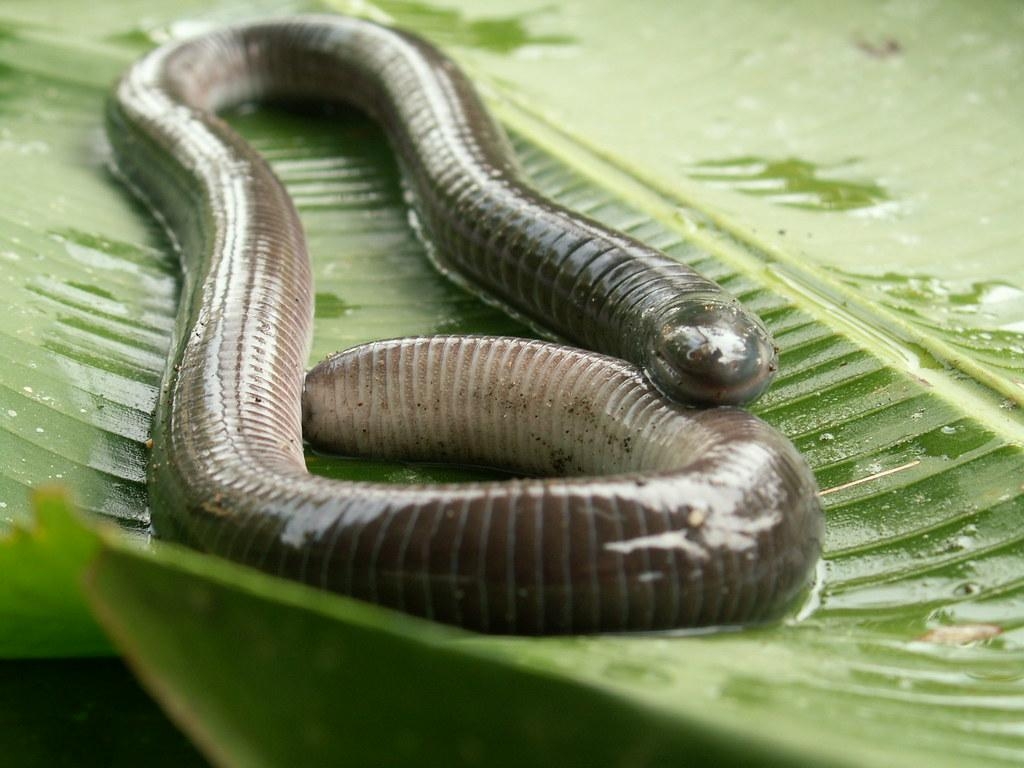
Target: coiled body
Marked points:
718	526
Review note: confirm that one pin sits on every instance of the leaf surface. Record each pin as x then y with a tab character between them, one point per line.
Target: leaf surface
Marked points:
909	650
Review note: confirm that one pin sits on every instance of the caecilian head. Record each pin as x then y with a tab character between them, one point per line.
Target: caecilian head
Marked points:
710	351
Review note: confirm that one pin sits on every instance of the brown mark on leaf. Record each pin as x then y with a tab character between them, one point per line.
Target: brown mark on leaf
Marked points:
886	48
961	634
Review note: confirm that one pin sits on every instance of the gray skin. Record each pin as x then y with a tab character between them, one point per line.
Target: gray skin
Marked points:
677	518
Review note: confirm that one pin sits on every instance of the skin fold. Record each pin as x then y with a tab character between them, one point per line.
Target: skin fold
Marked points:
660	516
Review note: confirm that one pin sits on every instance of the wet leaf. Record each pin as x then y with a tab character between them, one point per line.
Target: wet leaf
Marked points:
788	181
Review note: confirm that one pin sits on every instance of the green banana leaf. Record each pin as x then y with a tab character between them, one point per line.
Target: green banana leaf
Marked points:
852	174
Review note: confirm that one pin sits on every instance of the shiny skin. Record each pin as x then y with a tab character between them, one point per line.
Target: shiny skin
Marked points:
678	517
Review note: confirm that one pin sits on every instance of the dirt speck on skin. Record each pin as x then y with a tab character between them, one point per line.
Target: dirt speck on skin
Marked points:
214	506
559	461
